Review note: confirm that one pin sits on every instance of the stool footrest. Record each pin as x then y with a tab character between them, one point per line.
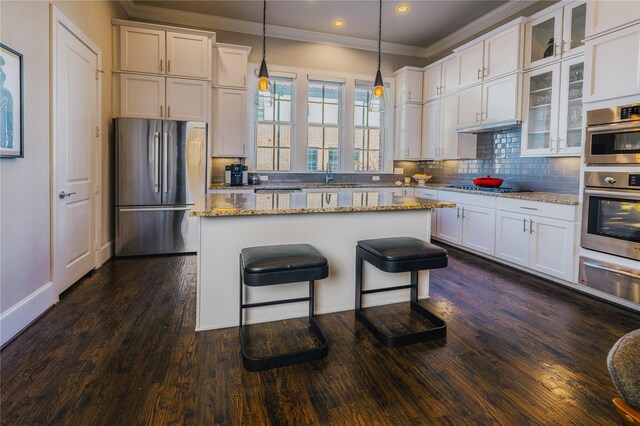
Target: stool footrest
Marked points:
438	331
275	302
290	358
379	290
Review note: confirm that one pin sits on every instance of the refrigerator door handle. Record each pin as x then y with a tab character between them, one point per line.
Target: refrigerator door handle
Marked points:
165	161
156	161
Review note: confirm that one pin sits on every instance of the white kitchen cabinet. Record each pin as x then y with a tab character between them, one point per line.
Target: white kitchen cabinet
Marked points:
430	194
471	63
612	65
541	104
142	96
231	66
230	124
156	51
494	102
142	50
542	237
468	225
440	140
570	124
441	79
608	15
431	141
500	100
187	100
403	191
407	131
188	55
498	55
408	85
554	35
449	138
152	96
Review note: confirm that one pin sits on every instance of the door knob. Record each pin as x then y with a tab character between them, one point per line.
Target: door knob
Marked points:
63	194
610	180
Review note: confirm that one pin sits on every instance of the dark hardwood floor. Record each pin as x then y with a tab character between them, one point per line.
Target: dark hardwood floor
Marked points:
120	349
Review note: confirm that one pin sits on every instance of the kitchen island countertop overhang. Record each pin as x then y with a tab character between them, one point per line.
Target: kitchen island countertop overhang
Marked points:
331	222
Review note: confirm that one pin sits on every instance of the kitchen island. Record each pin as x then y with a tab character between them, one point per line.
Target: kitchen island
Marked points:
331	221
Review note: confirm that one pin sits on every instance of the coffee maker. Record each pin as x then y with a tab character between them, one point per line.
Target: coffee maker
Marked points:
236	175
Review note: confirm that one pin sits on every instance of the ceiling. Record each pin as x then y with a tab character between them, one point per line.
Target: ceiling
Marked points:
427	22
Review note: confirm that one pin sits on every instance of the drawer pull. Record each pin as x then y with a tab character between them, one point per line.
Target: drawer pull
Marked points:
528	208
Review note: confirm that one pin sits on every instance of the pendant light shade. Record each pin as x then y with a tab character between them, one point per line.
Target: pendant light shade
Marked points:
264	94
378	102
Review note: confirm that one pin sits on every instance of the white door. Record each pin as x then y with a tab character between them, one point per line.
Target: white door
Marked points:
543	40
450	76
500	100
501	53
187	100
479	229
231	67
231	123
432	83
142	50
570	124
430	130
142	96
512	237
573	28
449	121
540	125
188	55
449	225
470	106
552	244
471	64
605	15
414	86
76	141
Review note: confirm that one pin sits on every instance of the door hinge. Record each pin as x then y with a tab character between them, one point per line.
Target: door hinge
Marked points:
97	132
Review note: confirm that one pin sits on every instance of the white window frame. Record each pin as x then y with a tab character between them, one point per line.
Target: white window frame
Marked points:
339	126
299	136
368	86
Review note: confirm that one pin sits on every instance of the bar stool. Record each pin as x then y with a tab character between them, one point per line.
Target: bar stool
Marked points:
282	264
400	254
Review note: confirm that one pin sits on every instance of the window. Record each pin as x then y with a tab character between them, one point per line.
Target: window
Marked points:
324	102
274	129
368	131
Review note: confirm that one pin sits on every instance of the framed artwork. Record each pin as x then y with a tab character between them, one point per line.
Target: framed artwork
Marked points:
11	104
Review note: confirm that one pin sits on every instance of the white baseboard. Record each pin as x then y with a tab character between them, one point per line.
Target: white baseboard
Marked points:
23	313
106	252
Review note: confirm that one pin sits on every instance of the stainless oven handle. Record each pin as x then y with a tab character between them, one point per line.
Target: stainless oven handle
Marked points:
627	193
615	271
634	125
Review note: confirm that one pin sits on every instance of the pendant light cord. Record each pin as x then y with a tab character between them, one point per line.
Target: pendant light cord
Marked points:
264	29
379	35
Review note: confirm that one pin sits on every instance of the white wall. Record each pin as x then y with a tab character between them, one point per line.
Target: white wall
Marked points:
25	184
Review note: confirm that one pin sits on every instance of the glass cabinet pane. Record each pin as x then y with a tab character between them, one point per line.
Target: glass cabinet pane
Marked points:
578	21
539	114
542	40
574	106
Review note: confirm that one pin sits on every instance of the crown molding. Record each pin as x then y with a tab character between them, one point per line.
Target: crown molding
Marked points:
484	22
219	23
199	20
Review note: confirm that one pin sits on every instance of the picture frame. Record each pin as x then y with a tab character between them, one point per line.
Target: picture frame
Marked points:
11	103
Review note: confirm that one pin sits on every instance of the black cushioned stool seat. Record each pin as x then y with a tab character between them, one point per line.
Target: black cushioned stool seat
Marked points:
282	264
400	254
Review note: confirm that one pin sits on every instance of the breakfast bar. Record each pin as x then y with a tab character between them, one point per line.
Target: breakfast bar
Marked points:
330	220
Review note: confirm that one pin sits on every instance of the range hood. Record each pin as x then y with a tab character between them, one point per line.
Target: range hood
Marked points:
489	127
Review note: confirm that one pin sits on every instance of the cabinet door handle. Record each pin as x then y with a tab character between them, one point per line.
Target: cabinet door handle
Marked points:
530	226
555	49
566	43
463	213
160	65
477	115
458	214
528	208
483	116
168	65
243	148
409	95
161	111
479	71
485	72
169	111
244	80
524	224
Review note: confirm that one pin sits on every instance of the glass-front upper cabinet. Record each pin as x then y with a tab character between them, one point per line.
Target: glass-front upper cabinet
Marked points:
540	127
571	126
555	35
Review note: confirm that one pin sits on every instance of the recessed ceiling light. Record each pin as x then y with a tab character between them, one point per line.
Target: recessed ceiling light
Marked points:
402	8
338	23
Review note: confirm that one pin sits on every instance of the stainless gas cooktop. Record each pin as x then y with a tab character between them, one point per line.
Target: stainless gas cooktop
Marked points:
500	190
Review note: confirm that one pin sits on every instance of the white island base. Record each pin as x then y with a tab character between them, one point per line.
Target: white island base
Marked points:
334	234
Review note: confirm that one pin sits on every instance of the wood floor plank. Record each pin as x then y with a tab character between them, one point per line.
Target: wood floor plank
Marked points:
120	348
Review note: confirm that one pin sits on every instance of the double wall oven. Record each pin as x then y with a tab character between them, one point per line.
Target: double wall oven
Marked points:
611	202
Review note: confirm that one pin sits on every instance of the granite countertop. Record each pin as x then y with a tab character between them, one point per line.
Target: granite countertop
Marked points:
249	204
543	197
306	185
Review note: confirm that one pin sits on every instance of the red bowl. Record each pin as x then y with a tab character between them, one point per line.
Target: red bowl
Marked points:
487	182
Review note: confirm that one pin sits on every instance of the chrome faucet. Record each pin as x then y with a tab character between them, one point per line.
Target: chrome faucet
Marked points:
328	176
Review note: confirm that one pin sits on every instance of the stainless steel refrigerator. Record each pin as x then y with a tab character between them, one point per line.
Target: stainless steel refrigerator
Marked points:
160	172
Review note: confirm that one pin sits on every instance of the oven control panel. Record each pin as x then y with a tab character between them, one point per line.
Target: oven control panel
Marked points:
618	180
631	112
634	180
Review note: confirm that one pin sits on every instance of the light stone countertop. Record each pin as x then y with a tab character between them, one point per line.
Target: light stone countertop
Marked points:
249	204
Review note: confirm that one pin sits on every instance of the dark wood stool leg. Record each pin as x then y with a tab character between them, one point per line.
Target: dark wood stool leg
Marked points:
414	286
358	282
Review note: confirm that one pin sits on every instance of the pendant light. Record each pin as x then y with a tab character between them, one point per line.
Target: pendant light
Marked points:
378	102
264	95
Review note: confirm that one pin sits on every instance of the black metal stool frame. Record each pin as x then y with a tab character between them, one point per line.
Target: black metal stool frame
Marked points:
440	327
289	358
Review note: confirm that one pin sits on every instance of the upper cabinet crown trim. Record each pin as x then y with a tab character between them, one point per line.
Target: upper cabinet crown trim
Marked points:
122	22
483	37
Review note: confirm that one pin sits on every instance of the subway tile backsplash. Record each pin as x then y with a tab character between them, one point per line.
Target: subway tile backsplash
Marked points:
499	156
